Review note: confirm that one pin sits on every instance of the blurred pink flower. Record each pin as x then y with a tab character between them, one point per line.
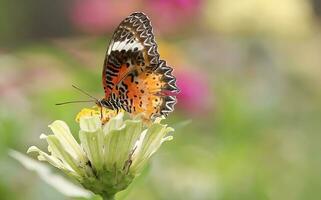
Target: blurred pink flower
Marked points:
100	16
171	15
195	96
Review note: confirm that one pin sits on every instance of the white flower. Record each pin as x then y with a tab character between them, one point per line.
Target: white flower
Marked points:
109	155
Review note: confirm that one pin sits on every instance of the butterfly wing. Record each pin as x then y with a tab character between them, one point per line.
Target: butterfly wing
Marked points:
133	75
150	92
132	46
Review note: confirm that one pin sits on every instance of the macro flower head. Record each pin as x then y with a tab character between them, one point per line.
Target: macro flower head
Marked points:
110	154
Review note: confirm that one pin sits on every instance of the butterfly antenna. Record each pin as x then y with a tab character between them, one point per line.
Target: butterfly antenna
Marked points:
68	102
84	92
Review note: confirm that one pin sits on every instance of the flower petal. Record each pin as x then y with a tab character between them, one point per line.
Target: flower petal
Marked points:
69	162
149	142
58	182
63	134
92	140
114	123
42	156
120	142
90	123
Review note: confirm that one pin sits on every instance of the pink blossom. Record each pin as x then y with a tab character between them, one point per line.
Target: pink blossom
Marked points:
171	15
195	96
100	16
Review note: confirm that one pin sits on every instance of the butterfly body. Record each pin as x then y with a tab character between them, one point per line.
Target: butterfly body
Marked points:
134	78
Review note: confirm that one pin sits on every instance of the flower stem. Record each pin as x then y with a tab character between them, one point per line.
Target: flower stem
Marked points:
108	197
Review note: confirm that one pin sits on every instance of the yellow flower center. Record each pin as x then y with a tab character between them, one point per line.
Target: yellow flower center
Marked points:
103	112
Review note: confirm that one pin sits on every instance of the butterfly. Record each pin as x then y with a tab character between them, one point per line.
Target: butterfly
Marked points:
134	77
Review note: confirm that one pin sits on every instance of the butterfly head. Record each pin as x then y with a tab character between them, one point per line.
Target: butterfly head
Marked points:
104	103
109	104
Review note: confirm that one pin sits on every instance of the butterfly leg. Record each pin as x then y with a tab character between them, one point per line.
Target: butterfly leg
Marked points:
101	113
129	161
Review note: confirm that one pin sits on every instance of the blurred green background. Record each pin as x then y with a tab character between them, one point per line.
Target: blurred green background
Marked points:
248	117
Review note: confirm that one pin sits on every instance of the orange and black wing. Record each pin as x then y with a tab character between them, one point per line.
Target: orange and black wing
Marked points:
150	92
133	75
132	46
